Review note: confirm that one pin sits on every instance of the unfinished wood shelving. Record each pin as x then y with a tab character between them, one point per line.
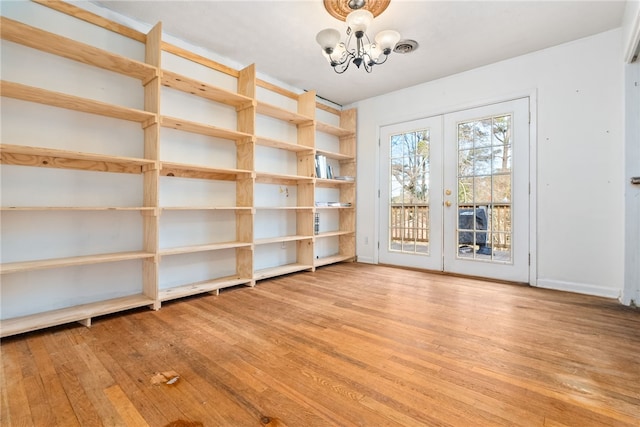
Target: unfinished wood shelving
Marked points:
243	179
54	44
233	229
337	243
70	102
299	216
80	313
23	155
22	266
205	90
283	114
44	157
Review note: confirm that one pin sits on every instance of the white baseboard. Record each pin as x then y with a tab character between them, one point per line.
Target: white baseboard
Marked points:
580	288
365	260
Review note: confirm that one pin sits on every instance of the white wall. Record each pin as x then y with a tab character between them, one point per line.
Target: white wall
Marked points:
580	200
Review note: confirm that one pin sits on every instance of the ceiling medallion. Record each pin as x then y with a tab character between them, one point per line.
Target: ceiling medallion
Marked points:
339	9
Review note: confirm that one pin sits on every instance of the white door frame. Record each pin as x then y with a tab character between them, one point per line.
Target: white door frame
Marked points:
533	168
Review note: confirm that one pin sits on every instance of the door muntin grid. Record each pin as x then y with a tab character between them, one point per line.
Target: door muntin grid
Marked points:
485	189
409	170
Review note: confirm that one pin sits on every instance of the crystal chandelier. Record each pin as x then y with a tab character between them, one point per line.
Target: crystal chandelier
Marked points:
365	53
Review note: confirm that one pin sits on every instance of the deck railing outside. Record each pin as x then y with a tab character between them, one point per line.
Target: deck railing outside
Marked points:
411	223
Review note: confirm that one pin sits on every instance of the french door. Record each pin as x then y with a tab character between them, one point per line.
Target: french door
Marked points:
454	193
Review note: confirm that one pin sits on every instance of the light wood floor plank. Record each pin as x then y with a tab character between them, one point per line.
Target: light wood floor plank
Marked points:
127	411
18	410
348	345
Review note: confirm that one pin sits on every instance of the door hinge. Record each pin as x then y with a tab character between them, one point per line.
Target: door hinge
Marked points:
378	245
529	258
529	117
378	194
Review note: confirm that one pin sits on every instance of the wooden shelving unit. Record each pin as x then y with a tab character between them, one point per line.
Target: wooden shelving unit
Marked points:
204	90
280	270
275	178
303	148
53	158
54	44
160	251
241	173
288	146
203	129
192	171
80	313
22	266
202	248
280	239
211	286
44	157
75	208
283	114
70	102
343	157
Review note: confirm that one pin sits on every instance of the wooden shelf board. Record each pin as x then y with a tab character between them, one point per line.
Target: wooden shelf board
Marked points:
45	41
205	90
17	267
266	273
71	102
334	207
206	208
202	248
274	178
269	240
332	259
193	171
201	287
23	155
273	143
282	114
284	208
334	183
333	130
73	208
203	129
334	155
332	234
81	312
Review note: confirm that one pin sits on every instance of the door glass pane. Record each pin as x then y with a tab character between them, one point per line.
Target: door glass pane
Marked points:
409	192
485	189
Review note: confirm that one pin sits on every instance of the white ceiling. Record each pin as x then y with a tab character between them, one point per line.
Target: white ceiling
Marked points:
454	36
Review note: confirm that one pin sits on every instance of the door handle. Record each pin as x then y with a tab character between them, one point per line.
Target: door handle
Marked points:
447	203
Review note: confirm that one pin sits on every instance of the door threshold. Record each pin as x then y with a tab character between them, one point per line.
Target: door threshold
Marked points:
463	276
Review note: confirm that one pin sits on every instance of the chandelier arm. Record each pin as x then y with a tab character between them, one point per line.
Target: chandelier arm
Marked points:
347	58
368	65
342	70
340	67
378	62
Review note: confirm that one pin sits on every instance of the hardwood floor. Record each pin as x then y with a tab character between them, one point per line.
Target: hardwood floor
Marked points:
348	345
